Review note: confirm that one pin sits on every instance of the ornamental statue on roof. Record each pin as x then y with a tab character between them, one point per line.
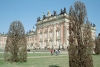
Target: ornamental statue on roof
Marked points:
43	16
38	19
49	14
64	10
55	13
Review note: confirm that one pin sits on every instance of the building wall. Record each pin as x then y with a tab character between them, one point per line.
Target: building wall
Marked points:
31	40
58	27
51	32
60	30
2	41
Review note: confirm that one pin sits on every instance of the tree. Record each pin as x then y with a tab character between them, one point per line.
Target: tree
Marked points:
80	39
16	44
97	47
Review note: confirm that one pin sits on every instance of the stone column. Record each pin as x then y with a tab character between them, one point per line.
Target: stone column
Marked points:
65	32
54	35
43	37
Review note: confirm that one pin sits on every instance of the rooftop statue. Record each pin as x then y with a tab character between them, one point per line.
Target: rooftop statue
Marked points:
64	10
61	11
44	16
38	19
93	25
33	28
43	13
99	34
29	31
55	13
49	14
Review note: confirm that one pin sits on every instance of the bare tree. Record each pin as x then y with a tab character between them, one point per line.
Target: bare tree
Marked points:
97	47
16	44
87	49
80	40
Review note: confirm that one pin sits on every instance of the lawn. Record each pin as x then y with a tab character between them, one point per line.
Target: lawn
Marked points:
50	61
33	54
30	54
1	50
1	55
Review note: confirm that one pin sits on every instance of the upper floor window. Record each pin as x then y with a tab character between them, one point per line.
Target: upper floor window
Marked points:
40	36
46	35
58	33
51	34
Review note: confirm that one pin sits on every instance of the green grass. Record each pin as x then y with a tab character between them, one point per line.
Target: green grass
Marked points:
30	54
1	50
53	61
1	55
96	60
39	62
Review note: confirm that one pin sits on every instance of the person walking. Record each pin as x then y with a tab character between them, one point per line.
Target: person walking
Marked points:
56	51
59	51
51	52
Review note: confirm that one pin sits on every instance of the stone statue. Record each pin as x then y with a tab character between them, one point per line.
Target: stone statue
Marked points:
29	31
38	19
61	11
93	25
64	10
44	16
54	13
99	34
48	14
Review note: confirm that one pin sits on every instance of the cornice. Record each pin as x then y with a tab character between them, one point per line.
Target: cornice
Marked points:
53	23
55	18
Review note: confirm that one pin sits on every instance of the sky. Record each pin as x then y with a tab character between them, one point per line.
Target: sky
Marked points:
27	11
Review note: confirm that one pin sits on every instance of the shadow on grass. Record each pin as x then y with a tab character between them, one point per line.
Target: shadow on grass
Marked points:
53	66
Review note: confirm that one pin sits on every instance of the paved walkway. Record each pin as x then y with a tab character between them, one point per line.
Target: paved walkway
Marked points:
42	56
46	56
62	52
1	52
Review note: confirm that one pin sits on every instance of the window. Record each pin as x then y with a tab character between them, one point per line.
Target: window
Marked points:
58	33
31	44
58	43
40	36
1	42
68	33
41	44
46	35
50	34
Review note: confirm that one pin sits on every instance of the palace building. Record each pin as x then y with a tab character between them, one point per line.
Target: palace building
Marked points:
52	31
3	38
